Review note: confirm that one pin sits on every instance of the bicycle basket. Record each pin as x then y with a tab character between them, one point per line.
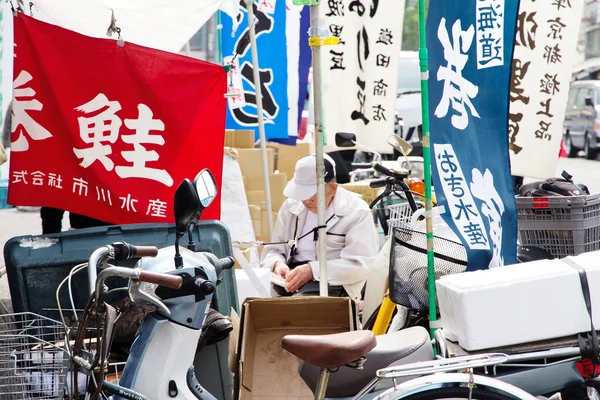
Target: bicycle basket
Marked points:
408	266
33	362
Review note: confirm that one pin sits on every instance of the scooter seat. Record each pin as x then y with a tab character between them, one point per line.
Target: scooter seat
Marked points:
397	348
330	351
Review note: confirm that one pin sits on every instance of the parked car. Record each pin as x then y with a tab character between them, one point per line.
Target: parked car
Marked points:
582	119
408	100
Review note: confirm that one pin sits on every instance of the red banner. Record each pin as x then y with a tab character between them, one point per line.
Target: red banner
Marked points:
110	131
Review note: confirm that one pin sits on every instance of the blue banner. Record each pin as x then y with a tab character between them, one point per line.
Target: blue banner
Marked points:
305	59
470	45
270	29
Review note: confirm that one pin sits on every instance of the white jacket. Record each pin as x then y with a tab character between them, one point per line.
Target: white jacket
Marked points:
348	257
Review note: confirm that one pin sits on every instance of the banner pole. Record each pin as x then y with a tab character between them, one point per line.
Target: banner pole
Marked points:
423	62
259	113
316	42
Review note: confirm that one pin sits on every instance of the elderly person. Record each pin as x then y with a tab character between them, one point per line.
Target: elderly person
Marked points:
351	236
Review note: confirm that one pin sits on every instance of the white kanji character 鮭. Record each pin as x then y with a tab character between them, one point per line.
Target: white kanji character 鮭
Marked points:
55	181
157	208
458	91
101	127
38	178
19	176
104	195
80	184
23	102
139	156
128	203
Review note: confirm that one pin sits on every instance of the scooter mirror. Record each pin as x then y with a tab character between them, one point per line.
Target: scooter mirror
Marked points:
345	139
206	187
187	206
400	145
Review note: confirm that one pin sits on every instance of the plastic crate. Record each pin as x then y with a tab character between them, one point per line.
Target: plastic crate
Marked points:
564	226
4	197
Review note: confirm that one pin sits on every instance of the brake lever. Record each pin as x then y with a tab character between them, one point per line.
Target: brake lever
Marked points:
135	287
385	193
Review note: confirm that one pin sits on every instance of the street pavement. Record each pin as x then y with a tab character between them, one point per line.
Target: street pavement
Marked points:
17	223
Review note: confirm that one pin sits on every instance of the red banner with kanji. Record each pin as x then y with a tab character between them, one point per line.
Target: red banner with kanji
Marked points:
110	131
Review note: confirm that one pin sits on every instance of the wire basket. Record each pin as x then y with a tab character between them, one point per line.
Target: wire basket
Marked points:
33	360
408	279
399	216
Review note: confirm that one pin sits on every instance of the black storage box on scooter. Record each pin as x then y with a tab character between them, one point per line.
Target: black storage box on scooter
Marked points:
35	266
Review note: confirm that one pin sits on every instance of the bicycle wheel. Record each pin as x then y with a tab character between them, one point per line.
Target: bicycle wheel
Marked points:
456	393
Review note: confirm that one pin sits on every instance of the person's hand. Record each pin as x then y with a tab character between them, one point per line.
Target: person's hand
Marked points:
298	277
281	269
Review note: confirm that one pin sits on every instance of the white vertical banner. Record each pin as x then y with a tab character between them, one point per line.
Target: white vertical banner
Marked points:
545	46
360	74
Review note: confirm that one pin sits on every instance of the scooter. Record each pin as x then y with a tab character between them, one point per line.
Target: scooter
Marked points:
181	283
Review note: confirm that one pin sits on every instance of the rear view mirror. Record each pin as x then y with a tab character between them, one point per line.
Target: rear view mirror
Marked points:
400	145
206	188
187	206
345	139
589	102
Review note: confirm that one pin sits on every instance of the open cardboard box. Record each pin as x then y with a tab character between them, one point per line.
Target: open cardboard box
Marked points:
262	369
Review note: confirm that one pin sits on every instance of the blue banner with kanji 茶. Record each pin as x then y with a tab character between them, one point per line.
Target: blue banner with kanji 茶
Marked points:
270	27
470	45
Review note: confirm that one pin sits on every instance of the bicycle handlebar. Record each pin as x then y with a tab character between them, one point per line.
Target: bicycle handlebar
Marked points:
380	168
362	165
378	183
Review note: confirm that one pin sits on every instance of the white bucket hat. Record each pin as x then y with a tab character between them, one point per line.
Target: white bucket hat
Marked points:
304	184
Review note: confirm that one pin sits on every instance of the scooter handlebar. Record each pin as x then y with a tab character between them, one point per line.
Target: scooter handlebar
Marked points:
170	281
224	263
125	251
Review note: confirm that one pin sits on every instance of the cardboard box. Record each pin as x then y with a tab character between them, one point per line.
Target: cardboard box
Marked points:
239	139
254	211
287	156
262	369
255	192
277	183
251	163
362	187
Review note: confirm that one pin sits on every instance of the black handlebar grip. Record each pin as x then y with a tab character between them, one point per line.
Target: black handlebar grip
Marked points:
226	263
125	251
205	287
382	169
362	165
378	183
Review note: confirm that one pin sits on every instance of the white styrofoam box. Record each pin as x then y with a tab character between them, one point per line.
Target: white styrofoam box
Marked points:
519	303
246	289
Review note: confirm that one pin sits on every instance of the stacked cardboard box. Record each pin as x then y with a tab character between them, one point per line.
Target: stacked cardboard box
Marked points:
281	164
288	156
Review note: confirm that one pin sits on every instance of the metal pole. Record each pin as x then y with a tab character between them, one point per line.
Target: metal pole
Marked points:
186	48
259	112
423	57
318	111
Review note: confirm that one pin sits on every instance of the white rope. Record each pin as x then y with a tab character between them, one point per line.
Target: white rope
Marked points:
243	244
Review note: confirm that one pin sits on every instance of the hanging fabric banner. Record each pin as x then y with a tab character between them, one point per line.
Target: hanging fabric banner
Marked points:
270	27
545	48
360	74
109	131
470	46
